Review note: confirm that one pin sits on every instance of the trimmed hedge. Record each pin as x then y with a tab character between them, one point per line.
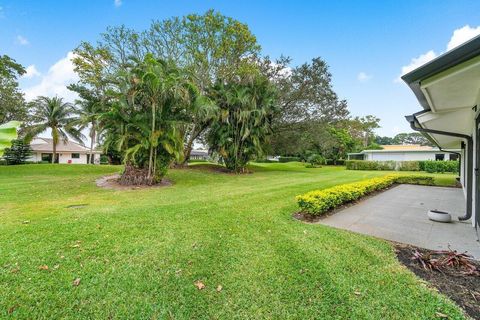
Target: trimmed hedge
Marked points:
288	159
332	162
430	166
440	166
370	165
318	202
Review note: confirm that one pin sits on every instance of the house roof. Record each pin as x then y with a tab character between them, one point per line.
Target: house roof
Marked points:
405	147
447	89
401	149
452	58
46	145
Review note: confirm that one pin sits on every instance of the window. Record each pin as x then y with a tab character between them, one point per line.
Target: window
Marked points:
453	156
75	155
439	157
47	157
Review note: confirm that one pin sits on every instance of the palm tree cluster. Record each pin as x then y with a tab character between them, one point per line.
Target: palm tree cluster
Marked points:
146	110
246	110
150	102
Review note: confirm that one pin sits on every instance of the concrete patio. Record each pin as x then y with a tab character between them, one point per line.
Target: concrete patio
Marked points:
400	214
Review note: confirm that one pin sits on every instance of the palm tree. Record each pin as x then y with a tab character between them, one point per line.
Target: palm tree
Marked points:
246	111
89	112
56	115
149	103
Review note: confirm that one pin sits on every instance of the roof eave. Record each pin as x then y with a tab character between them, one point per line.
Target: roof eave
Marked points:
445	61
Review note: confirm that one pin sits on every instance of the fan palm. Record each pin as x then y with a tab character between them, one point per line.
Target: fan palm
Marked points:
58	116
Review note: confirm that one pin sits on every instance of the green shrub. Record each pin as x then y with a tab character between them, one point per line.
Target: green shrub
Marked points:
411	179
103	159
428	166
264	160
333	162
320	201
370	165
288	159
316	160
440	166
408	165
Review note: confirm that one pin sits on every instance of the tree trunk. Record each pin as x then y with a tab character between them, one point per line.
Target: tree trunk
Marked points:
186	152
150	159
54	151
188	149
92	142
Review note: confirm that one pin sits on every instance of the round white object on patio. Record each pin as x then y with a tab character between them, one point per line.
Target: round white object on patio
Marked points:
439	216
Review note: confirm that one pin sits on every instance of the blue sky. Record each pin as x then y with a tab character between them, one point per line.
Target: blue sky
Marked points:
366	43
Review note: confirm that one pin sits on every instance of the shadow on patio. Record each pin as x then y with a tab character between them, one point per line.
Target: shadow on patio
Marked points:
400	214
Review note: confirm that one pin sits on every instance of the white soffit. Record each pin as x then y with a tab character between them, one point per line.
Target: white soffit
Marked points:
459	121
455	88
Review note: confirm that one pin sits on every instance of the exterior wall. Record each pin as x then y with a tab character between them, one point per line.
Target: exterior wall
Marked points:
403	156
476	146
64	157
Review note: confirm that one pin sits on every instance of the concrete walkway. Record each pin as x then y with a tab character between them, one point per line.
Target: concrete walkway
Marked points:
400	214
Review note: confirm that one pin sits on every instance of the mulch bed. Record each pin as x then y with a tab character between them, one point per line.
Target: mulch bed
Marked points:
453	282
111	182
305	217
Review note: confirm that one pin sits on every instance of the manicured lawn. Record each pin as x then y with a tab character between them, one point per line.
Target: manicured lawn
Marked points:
138	253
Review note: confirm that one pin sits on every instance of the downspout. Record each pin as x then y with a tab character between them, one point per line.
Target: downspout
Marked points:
413	120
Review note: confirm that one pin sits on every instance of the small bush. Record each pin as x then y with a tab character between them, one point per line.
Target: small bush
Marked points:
320	201
340	162
288	159
316	160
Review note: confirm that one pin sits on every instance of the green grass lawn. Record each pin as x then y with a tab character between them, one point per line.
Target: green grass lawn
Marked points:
138	253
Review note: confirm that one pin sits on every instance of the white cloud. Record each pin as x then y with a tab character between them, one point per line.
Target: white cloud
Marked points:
458	37
21	40
2	13
363	77
462	35
55	81
417	62
31	72
117	3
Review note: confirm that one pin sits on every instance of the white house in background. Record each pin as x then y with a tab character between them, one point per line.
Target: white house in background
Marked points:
448	90
69	152
409	152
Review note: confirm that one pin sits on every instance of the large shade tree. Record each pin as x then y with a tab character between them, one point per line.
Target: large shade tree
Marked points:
58	116
150	101
309	107
208	47
12	102
247	108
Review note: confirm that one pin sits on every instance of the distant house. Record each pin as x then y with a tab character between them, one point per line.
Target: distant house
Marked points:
404	153
69	152
199	155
